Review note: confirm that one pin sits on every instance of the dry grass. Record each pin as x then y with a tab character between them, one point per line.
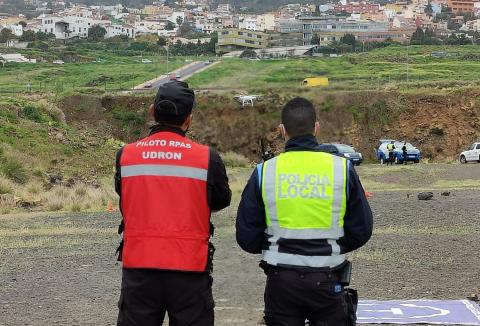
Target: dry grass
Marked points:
79	198
6	186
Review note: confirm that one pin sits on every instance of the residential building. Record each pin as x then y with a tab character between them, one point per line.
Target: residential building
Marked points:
340	24
66	27
224	8
285	39
265	22
232	39
248	22
358	7
462	6
400	35
288	26
117	30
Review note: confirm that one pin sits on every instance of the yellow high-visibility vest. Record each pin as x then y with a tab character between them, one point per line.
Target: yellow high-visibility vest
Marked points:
305	196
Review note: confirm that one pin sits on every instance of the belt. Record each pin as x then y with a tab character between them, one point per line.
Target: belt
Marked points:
320	275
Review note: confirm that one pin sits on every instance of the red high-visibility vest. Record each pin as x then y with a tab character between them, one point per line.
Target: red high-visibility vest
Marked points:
164	203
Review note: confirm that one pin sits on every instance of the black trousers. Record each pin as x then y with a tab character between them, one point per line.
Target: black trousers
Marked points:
292	296
147	295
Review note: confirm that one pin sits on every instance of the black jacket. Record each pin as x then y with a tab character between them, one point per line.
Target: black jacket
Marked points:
218	190
251	222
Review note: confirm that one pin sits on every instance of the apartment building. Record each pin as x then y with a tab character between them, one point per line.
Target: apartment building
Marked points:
339	24
233	39
462	6
357	7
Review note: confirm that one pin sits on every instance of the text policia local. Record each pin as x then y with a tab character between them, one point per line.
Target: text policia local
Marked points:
162	143
303	186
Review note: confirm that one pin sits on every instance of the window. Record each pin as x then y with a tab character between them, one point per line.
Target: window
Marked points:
478	146
259	36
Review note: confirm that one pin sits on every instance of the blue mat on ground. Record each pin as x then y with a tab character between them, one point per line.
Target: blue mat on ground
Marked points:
433	312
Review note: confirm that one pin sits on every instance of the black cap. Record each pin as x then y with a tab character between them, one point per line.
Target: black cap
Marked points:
174	102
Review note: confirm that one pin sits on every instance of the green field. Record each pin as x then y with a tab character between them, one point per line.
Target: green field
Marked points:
103	72
387	67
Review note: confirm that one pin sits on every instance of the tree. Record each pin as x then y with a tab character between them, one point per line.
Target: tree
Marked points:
170	26
41	36
428	10
5	35
161	41
315	40
179	20
349	39
96	33
24	24
248	53
418	36
28	36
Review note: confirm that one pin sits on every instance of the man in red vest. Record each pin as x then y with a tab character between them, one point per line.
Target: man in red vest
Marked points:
168	186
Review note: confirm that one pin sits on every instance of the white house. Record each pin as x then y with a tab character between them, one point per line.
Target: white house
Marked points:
248	22
66	27
117	30
16	29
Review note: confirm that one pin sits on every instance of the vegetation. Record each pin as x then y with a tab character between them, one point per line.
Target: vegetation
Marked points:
410	67
85	70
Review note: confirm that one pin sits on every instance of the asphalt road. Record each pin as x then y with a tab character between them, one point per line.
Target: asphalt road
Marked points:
184	71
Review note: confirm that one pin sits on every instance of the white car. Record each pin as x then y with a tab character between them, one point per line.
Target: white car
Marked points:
472	154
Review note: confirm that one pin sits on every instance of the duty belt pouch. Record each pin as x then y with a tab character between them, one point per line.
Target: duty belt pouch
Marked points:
351	299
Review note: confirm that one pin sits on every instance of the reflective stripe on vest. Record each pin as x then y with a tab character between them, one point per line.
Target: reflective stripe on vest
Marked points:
305	198
164	170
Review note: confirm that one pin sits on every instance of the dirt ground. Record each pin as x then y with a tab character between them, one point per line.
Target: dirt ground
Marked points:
61	270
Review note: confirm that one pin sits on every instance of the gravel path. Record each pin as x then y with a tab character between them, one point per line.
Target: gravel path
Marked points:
61	270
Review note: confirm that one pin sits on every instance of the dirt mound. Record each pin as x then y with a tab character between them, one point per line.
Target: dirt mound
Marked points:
440	125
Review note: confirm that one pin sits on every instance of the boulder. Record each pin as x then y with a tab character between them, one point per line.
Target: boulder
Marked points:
425	196
446	193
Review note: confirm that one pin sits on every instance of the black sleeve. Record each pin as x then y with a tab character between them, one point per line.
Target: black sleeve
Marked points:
358	221
118	190
251	222
118	176
219	193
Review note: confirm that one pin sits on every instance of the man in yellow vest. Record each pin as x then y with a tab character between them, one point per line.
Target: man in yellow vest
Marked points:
303	211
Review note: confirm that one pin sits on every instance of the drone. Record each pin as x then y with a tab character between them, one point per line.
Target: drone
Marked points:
247	100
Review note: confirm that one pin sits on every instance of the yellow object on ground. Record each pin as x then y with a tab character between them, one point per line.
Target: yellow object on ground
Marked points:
315	81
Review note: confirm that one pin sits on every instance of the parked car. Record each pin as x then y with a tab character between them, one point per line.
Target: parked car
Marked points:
472	154
346	151
413	153
148	85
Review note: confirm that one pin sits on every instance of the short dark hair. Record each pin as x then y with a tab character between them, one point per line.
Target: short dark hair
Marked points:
299	117
170	119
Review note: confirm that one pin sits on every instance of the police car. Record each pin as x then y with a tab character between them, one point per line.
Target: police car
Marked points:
413	153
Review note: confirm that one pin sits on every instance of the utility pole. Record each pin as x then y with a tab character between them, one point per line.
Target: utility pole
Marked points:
408	68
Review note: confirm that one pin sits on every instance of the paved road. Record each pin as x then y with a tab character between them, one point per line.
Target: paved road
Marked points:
183	71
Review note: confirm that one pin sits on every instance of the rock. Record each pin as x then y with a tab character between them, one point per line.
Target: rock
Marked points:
30	203
446	193
70	183
55	178
60	137
425	196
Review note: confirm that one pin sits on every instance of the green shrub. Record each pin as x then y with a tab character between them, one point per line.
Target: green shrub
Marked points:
233	160
33	113
13	170
129	118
